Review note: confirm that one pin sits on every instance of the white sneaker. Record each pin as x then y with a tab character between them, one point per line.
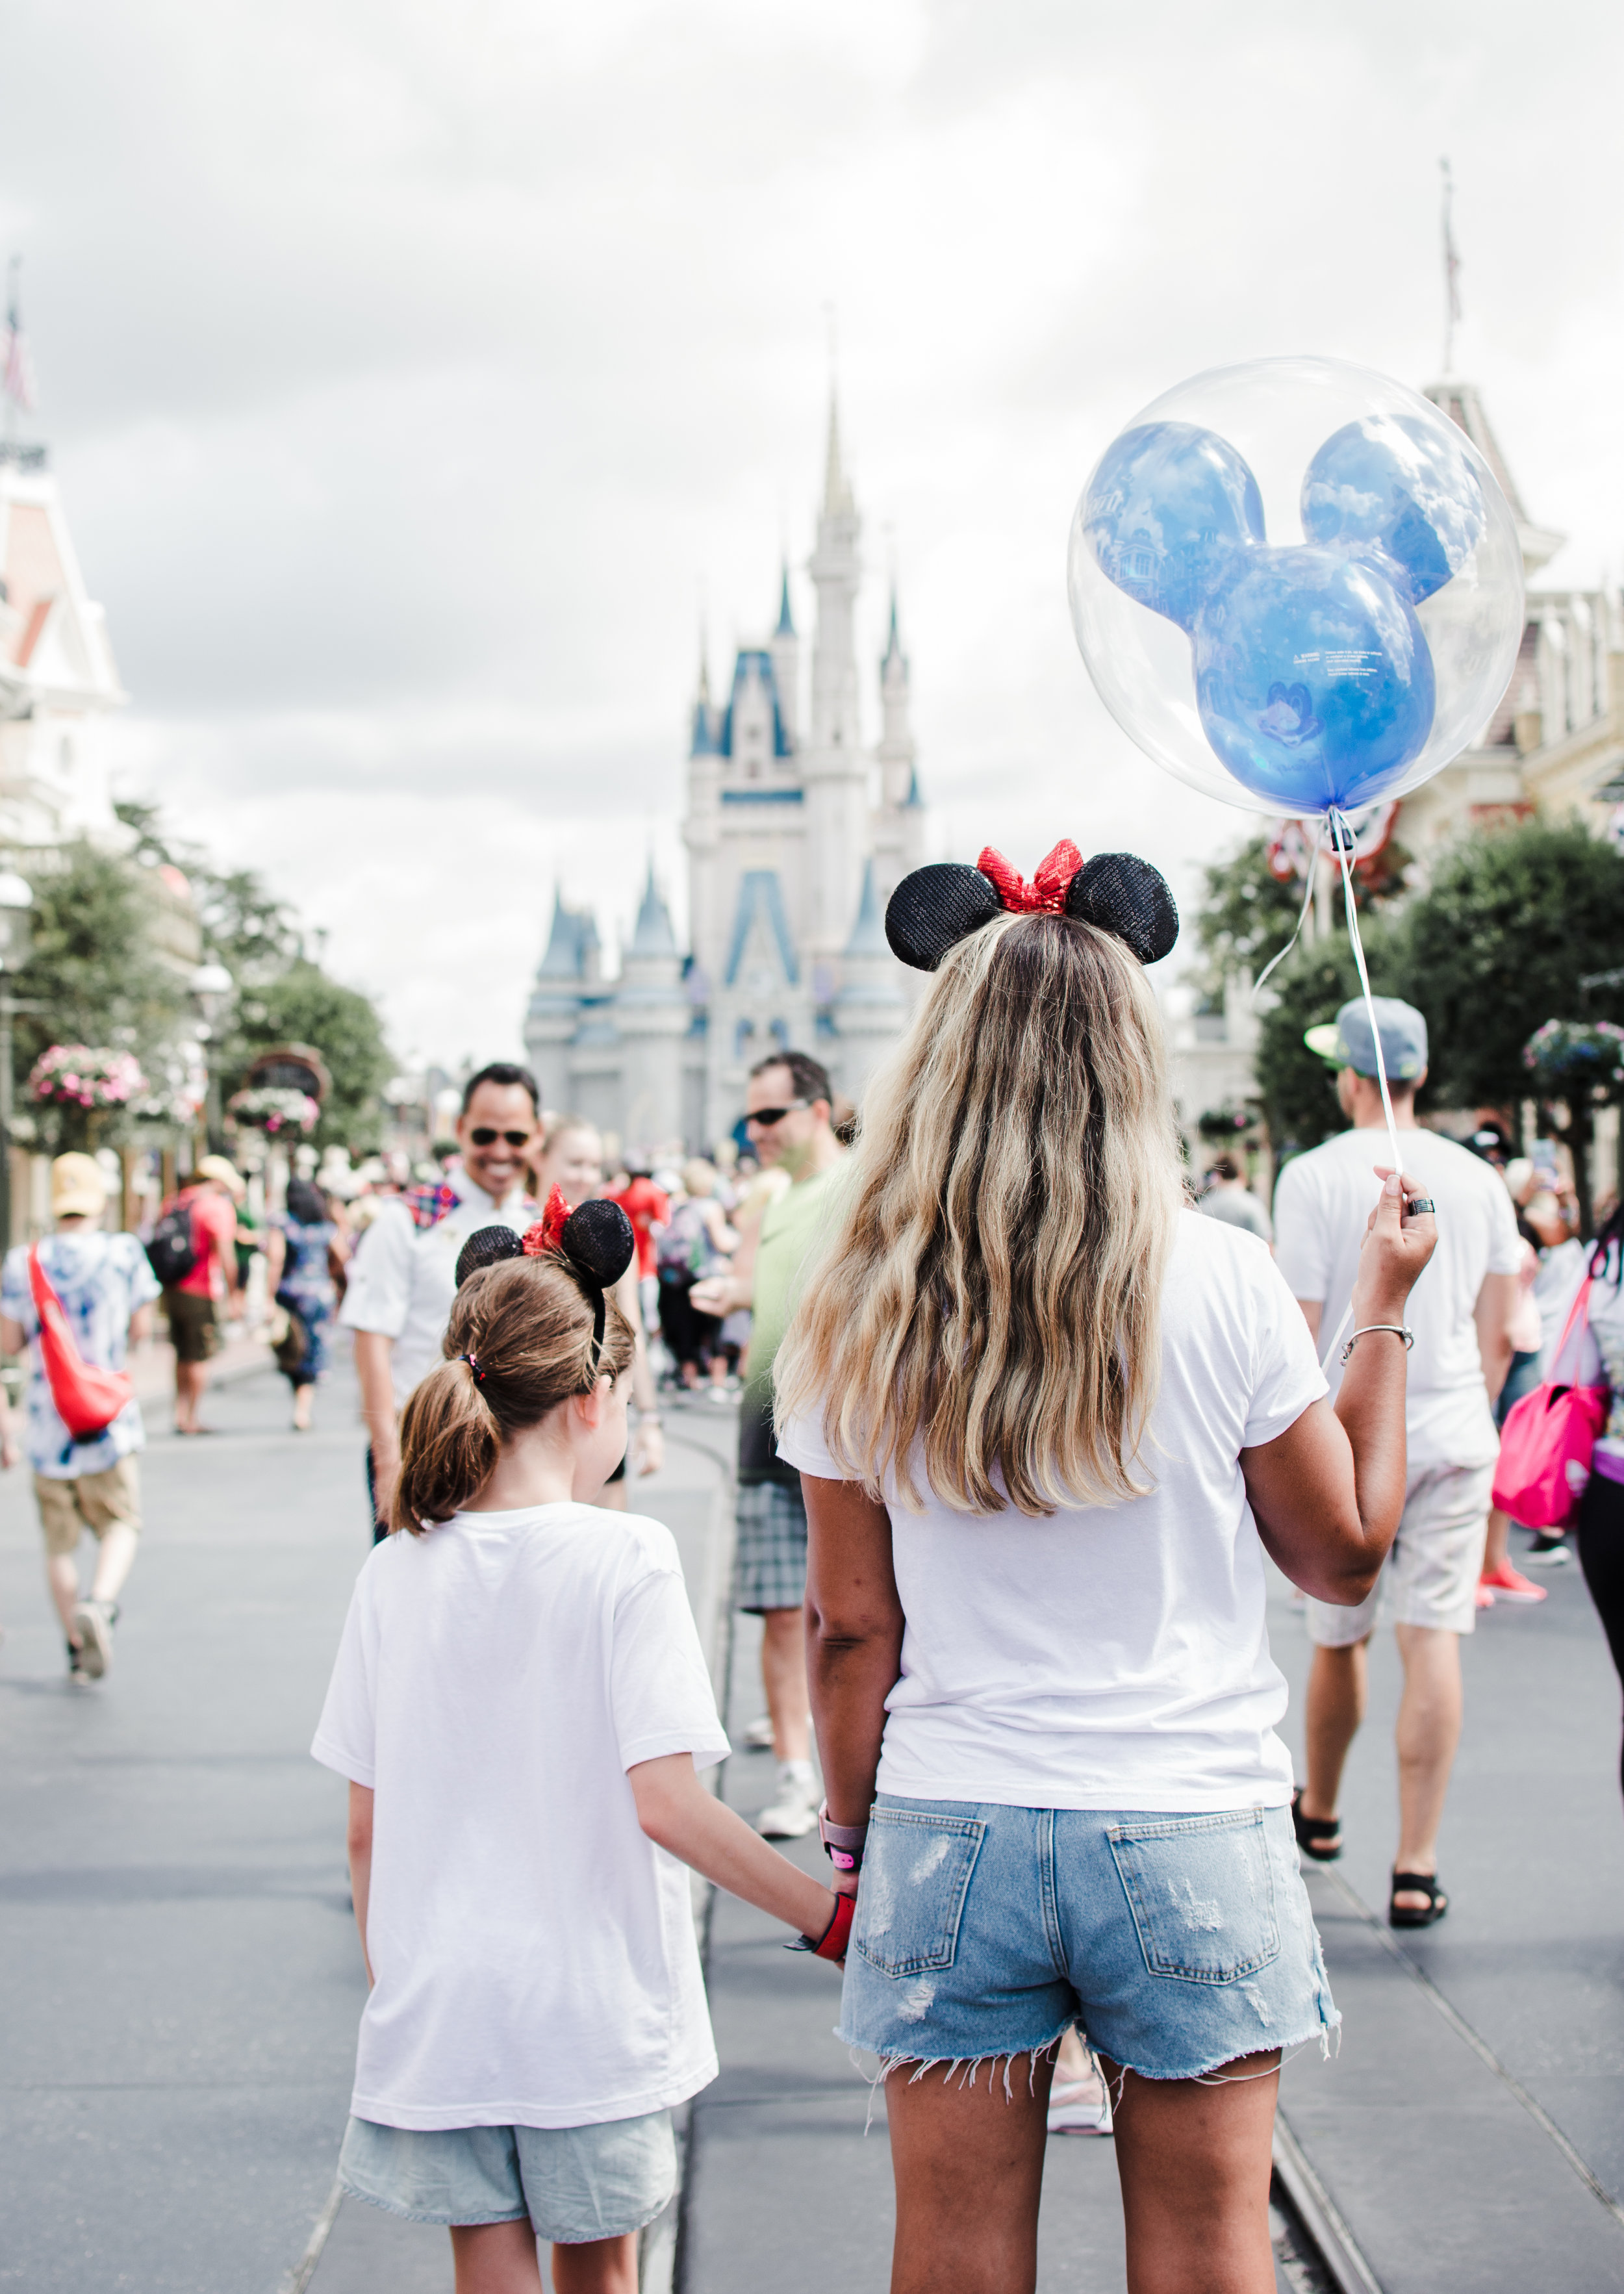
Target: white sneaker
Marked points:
758	1738
793	1812
1080	2107
94	1619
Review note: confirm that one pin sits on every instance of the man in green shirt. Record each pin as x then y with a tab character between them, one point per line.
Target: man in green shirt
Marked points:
786	1108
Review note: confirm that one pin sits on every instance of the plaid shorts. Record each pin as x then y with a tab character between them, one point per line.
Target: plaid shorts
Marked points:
769	1561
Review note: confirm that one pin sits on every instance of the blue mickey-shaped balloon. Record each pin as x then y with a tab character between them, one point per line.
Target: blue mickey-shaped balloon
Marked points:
1402	489
1313	679
1168	509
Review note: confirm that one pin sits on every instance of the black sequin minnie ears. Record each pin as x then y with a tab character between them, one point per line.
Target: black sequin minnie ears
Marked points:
595	1242
936	908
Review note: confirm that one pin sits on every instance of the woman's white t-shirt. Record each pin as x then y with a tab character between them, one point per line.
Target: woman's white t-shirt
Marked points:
1112	1657
534	1952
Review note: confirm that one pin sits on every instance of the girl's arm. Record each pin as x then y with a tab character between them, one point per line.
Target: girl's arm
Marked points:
679	1815
854	1640
359	1842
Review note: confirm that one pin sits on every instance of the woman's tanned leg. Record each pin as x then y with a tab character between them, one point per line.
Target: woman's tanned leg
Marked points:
1194	2159
969	2164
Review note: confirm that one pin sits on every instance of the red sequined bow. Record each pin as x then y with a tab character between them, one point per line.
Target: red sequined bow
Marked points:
1046	894
547	1234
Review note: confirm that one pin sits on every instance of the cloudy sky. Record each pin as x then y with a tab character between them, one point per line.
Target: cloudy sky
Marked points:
416	375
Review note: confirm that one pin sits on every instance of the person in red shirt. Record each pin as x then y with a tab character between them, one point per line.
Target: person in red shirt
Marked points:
647	1207
193	1304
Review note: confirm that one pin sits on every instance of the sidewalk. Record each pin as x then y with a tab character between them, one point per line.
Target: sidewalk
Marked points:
151	1365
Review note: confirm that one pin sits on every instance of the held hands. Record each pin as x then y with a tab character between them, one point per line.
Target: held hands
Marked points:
1396	1247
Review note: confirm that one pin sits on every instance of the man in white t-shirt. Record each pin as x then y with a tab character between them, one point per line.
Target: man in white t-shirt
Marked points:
404	1276
1461	1313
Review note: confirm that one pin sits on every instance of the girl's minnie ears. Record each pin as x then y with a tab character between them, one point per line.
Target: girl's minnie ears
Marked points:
936	908
596	1240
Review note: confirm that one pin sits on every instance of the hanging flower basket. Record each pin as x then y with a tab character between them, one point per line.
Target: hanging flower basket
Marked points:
74	1075
271	1109
1566	1053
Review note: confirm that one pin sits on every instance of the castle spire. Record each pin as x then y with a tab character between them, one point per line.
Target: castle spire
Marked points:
837	488
1451	270
786	619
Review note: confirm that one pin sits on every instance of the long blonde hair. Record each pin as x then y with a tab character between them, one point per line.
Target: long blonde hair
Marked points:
987	1306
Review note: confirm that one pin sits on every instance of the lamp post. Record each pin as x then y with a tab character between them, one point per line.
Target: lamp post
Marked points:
16	920
213	989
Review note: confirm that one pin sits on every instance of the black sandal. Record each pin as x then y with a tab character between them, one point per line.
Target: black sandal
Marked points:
1416	1884
1319	1836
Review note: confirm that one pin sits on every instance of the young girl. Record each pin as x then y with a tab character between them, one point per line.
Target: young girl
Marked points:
519	1703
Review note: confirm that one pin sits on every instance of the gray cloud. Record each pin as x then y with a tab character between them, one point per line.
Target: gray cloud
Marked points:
410	373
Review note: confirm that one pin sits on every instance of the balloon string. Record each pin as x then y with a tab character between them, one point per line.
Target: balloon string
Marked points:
1342	836
1313	863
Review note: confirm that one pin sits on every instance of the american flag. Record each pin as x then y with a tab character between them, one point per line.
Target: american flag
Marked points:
16	364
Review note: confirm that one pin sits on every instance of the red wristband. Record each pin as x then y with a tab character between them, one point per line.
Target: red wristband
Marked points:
835	1935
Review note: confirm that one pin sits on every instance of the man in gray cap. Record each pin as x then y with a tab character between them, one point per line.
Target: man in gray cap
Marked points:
1460	1312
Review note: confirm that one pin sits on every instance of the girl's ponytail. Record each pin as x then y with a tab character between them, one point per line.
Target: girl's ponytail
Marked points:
449	1444
522	1339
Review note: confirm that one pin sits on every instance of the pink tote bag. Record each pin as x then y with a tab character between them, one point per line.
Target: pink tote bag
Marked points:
1547	1442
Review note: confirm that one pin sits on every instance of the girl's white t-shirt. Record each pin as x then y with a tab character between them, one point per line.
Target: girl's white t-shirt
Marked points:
1112	1657
534	1952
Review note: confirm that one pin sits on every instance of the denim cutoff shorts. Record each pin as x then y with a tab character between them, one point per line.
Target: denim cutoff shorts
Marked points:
1176	1943
574	2183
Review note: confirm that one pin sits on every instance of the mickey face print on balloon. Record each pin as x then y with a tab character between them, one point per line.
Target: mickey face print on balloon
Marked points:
1328	671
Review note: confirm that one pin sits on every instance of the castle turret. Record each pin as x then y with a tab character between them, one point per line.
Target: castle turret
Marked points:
651	1019
785	650
553	1015
835	772
871	1006
899	824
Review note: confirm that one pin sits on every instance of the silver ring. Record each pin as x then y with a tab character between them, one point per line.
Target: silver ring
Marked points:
1416	1204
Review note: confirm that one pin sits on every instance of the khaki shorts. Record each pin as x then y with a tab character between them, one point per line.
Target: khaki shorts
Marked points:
1430	1578
194	1325
94	1501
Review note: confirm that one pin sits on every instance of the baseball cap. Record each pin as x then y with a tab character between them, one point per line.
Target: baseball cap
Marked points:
77	1188
1346	1041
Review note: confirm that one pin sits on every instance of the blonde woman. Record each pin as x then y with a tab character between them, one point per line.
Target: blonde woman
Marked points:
568	1154
1049	1421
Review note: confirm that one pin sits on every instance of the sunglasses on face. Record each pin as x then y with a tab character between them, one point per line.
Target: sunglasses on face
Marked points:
482	1135
762	1118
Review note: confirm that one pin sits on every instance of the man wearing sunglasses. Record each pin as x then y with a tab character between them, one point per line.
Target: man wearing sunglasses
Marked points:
403	1275
786	1114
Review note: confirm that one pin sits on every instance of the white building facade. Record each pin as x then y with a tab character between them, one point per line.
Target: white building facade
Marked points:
57	678
796	835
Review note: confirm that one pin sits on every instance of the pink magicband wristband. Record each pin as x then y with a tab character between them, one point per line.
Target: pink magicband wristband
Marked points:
842	1842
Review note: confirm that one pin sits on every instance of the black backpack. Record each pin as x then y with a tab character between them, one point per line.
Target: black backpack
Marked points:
172	1252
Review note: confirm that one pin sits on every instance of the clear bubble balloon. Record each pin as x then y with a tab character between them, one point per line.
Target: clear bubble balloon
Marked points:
1296	584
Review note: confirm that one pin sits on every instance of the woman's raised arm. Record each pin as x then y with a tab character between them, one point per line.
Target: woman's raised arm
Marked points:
853	1637
1326	1495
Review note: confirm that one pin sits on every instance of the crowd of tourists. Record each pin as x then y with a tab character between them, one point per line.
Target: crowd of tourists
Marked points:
1019	1434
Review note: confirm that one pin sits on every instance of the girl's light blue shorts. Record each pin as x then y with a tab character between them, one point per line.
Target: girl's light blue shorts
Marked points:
1177	1942
574	2183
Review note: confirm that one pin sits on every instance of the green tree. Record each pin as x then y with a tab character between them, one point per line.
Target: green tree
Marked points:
1498	945
301	1004
1247	913
96	974
243	925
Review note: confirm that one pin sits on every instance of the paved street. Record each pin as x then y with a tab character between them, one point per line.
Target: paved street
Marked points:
182	1979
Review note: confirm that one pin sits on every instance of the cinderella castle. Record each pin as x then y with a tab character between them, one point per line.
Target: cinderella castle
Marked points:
795	835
